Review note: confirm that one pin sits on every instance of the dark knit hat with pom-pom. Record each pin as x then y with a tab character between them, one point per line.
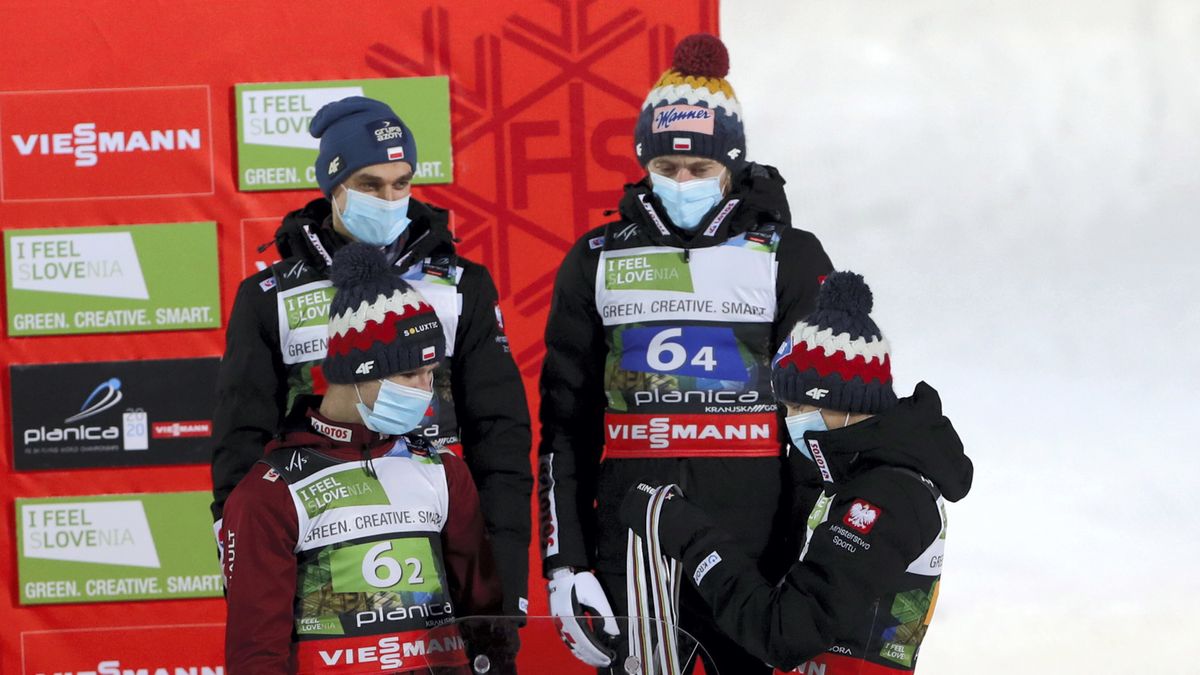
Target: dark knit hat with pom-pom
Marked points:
378	324
692	110
836	358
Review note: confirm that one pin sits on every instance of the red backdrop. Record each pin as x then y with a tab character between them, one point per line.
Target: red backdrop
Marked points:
543	100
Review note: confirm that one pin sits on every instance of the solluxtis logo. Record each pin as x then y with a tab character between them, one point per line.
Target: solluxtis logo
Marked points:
103	397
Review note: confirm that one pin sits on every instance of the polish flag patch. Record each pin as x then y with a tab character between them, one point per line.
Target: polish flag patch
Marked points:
428	353
395	153
681	143
862	516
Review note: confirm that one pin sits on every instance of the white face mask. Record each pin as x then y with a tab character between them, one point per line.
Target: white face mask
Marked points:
687	202
372	220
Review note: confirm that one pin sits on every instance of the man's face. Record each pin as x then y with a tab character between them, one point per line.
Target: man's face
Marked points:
391	181
421	378
682	168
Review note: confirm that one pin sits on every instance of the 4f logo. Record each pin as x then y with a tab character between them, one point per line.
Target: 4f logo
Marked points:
335	165
365	368
733	154
816	393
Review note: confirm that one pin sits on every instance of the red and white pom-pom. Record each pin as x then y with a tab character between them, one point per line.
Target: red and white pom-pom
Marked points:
701	54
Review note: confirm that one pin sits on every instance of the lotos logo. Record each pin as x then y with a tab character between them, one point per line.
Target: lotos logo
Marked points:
105	143
109	392
683	118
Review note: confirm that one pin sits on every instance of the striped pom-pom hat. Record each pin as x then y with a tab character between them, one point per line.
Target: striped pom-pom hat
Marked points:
836	358
378	324
692	110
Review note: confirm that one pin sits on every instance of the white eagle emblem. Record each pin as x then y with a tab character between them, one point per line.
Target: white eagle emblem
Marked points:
862	516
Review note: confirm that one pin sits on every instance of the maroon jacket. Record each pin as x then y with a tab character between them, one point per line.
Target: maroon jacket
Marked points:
260	532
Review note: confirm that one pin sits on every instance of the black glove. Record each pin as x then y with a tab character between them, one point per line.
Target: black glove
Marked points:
680	522
494	638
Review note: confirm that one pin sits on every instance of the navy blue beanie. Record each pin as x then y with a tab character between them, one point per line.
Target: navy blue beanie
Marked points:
357	132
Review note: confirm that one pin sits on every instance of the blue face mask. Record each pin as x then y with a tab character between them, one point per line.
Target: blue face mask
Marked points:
398	410
372	220
798	424
687	202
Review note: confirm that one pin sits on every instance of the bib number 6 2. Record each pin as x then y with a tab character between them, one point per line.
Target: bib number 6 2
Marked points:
382	571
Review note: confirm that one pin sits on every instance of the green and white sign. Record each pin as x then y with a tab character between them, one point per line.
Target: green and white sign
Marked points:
276	152
116	547
648	272
112	279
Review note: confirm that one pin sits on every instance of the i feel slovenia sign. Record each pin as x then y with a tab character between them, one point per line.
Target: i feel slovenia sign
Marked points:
116	547
112	279
276	151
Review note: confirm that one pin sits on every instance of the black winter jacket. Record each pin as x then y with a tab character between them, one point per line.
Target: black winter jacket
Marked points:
861	598
579	494
489	398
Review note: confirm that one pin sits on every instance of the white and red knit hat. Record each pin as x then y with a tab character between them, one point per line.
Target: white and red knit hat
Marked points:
378	324
836	358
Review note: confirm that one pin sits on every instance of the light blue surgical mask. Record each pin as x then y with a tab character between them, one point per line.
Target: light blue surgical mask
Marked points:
372	220
687	202
398	409
798	424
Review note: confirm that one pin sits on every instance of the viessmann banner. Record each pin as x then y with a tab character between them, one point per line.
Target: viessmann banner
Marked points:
121	413
276	152
112	279
194	649
105	548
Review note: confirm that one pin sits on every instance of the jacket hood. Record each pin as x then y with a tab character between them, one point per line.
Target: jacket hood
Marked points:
308	233
757	190
914	435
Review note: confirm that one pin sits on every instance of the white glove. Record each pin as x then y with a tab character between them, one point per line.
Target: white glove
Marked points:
571	595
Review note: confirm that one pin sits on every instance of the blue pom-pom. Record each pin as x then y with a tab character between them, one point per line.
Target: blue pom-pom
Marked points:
357	263
845	292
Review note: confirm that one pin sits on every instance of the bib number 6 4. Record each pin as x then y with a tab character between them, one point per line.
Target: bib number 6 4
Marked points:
708	352
666	356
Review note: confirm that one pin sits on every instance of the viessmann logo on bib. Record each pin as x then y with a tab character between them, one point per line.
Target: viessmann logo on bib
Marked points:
105	143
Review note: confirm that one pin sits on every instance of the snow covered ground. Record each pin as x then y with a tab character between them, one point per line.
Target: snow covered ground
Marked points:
1019	181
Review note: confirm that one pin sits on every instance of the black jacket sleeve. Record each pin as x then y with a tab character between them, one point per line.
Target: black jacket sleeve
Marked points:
493	417
251	388
802	266
790	622
572	414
